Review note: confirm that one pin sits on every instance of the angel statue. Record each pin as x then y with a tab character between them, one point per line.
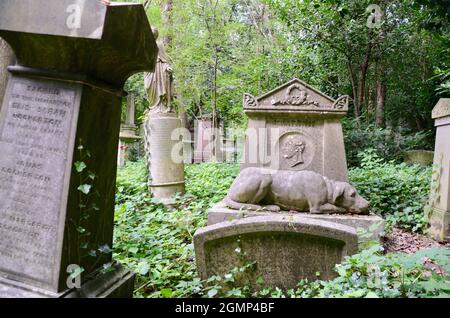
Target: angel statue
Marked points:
159	83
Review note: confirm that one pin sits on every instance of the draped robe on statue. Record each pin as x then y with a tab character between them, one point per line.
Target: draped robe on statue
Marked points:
159	84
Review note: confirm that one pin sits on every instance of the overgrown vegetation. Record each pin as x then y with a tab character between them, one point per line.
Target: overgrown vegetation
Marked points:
387	143
156	242
398	192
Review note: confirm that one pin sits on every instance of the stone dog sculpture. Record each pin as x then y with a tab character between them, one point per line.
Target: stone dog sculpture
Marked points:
301	191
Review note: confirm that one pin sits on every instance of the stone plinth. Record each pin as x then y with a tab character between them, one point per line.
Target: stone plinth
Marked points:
440	194
118	283
282	249
59	131
373	225
166	156
296	127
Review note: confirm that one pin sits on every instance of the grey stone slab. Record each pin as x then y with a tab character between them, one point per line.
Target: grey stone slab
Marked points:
220	213
115	284
283	249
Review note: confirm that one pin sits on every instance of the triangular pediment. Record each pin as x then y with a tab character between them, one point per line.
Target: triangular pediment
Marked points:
295	95
442	108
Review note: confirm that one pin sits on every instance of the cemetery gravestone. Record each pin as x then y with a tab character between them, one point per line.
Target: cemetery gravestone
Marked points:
59	130
282	249
296	127
440	195
128	132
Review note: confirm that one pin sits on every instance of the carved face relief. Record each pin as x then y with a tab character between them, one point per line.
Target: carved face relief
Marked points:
296	151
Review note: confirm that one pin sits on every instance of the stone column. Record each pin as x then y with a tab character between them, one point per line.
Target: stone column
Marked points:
6	59
440	193
165	156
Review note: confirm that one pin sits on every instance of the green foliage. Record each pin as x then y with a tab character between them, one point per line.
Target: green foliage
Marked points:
369	274
388	143
398	192
155	241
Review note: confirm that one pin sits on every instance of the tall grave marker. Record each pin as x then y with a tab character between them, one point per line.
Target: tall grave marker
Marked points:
440	217
59	131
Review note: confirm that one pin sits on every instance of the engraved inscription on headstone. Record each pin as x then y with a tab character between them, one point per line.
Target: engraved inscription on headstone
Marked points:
36	124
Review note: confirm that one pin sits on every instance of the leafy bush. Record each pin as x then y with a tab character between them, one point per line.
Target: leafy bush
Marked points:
398	192
155	241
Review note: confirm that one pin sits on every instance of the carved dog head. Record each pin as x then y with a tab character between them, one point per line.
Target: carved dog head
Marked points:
347	197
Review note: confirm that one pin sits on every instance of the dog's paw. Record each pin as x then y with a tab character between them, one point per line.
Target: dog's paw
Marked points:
272	208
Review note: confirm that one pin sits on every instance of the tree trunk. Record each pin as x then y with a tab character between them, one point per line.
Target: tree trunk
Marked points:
167	22
381	98
6	59
363	75
381	78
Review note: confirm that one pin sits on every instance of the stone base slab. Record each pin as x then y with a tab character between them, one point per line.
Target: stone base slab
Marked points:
440	225
372	224
279	249
115	284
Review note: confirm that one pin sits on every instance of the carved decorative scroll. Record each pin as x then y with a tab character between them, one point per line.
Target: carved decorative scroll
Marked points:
250	101
341	102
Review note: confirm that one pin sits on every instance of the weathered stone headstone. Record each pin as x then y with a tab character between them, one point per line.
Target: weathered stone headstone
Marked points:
208	142
128	132
59	131
281	249
296	127
440	194
419	157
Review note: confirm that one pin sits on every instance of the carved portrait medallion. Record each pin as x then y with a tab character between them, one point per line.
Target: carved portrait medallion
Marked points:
296	150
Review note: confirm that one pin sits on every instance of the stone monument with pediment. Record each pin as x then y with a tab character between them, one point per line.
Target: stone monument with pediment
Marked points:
296	127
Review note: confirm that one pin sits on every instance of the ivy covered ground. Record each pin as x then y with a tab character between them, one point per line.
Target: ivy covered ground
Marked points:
156	242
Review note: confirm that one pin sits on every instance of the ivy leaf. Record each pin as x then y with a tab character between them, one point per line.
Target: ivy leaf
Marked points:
85	188
212	293
133	250
166	292
80	166
76	272
143	268
105	249
81	230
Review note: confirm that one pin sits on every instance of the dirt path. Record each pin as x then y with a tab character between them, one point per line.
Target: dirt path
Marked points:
402	241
